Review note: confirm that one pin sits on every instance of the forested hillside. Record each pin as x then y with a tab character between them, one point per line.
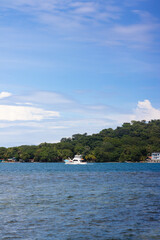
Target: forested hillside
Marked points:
132	142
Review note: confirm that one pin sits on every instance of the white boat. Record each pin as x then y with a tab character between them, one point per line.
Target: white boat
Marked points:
76	160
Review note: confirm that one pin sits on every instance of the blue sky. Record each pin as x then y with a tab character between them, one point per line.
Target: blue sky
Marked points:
72	66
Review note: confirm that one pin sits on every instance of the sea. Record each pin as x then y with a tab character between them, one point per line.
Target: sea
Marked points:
109	201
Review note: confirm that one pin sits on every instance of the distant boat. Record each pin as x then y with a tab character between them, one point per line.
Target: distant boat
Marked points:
76	160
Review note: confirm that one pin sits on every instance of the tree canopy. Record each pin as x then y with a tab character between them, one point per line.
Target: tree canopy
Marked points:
131	142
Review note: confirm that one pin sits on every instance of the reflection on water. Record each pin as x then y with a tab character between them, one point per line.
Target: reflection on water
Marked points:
96	201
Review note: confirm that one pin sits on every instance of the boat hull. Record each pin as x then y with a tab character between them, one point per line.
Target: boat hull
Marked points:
73	163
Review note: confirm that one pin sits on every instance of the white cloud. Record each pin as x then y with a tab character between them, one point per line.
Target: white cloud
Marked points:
84	7
5	94
23	113
43	97
145	111
63	13
85	120
84	21
137	33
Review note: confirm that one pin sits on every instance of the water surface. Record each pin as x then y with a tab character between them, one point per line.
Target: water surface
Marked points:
94	201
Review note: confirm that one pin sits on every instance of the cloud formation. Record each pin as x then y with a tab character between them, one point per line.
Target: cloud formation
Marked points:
44	97
22	113
145	111
90	17
50	126
75	113
5	95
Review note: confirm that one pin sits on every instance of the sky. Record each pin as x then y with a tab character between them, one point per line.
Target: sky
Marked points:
71	66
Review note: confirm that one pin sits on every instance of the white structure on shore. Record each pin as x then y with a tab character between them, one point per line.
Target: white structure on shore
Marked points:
155	157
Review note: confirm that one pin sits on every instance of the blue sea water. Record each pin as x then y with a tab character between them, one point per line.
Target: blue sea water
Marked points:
110	201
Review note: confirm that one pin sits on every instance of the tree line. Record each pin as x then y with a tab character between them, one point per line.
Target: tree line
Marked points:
131	142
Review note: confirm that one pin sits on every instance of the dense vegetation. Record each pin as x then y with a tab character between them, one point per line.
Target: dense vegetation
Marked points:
132	142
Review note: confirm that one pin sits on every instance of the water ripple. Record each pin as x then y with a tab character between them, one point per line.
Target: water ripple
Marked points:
98	201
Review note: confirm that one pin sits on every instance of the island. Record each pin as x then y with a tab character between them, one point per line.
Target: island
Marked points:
131	142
